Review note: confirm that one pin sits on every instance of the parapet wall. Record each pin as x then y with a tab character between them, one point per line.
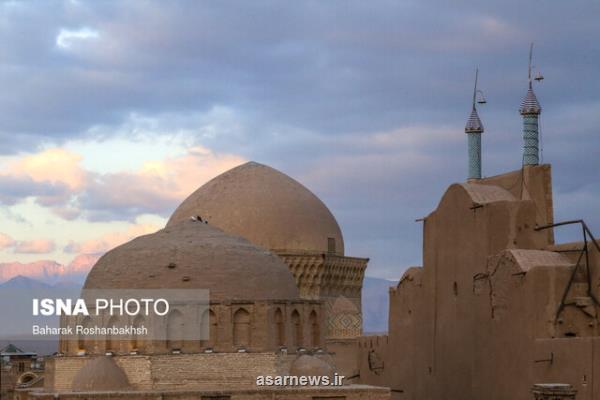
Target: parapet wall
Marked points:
373	359
178	371
353	392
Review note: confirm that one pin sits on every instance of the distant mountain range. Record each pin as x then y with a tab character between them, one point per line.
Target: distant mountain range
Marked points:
50	274
48	271
23	282
43	346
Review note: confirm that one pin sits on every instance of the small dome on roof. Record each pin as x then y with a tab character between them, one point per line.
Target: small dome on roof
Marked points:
343	305
307	365
195	255
266	207
100	374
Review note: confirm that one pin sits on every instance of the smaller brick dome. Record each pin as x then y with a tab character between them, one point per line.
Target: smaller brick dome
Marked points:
195	255
100	374
343	305
306	365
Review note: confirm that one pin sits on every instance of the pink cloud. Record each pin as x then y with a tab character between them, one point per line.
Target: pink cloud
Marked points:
56	180
57	166
6	241
68	213
157	187
36	246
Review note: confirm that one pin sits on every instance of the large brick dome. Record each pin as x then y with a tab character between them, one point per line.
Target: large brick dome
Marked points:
194	255
266	207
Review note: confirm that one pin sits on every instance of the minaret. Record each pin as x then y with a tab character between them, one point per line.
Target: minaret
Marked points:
530	110
474	129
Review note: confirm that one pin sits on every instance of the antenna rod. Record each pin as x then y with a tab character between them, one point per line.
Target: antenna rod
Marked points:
530	57
475	88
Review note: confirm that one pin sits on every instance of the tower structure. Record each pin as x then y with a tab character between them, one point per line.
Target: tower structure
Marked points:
530	110
277	213
474	129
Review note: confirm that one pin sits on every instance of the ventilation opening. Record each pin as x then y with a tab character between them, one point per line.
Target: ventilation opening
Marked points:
331	245
570	334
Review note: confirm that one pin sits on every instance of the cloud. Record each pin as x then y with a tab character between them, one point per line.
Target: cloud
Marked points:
306	66
67	38
366	105
54	166
68	213
51	176
14	189
38	246
110	240
5	241
157	188
56	180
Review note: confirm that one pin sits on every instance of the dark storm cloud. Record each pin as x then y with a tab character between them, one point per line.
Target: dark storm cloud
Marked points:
312	86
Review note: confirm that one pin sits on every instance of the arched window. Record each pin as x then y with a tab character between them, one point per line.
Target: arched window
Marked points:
110	343
241	328
138	342
296	329
279	328
214	328
315	332
175	328
208	329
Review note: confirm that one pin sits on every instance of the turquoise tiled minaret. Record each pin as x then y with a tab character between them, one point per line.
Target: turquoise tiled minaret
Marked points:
530	110
474	129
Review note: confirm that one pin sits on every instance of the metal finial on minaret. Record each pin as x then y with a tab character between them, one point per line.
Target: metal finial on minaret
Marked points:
474	129
530	110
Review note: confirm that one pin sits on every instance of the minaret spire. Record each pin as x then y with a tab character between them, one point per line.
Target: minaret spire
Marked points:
474	129
530	110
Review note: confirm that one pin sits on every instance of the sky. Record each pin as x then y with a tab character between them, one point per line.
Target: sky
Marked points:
112	112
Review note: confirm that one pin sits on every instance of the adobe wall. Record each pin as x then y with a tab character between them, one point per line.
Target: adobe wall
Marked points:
183	371
533	183
345	355
469	225
353	392
573	360
468	325
373	352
